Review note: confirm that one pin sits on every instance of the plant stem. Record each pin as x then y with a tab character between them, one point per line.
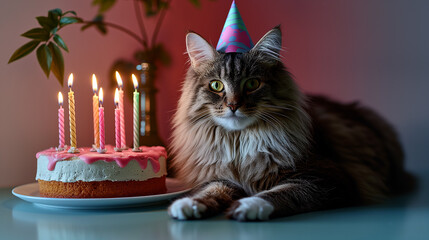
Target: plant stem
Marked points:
140	23
159	23
120	28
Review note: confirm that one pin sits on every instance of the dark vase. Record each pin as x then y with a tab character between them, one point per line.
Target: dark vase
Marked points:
148	121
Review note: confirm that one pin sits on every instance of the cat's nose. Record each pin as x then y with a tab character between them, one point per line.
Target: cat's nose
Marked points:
233	106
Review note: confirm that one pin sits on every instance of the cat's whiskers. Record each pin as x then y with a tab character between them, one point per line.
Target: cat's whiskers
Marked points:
201	115
282	115
299	109
262	117
268	118
275	119
276	107
289	107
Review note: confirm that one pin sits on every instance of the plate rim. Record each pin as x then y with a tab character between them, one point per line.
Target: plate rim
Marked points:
95	203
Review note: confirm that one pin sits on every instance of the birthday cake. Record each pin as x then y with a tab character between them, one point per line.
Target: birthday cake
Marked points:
87	174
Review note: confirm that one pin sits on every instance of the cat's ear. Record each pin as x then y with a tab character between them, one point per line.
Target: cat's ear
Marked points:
199	50
270	45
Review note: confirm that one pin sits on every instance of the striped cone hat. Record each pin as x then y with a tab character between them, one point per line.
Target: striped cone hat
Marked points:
234	37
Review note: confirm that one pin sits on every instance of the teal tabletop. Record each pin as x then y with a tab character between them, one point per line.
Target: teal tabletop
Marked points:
403	217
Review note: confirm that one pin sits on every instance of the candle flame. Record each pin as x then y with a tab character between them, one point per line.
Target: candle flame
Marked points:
135	82
118	79
94	84
100	96
70	81
60	98
116	97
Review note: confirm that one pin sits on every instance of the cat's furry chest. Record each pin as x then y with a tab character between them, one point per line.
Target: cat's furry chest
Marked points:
254	174
250	158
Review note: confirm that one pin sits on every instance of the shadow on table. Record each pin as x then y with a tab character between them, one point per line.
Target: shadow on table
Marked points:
389	220
122	223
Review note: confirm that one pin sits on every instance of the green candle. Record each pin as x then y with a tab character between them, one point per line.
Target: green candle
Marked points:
136	106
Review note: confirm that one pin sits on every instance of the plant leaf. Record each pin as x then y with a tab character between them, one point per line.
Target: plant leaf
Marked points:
102	28
164	5
45	58
58	40
84	27
56	11
92	23
67	20
46	22
150	11
78	19
24	50
98	23
57	66
104	5
53	17
196	3
37	33
54	30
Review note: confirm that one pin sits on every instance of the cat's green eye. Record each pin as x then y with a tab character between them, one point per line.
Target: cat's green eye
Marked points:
252	84
216	86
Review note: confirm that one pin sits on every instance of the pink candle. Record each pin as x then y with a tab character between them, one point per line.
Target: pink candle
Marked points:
121	107
61	122
101	122
117	122
101	119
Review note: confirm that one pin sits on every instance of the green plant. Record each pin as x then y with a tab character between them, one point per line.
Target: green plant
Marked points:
48	42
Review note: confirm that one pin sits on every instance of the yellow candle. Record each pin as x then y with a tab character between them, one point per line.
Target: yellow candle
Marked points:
72	117
95	113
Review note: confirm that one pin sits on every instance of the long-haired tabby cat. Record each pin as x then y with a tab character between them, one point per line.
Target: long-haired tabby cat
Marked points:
255	147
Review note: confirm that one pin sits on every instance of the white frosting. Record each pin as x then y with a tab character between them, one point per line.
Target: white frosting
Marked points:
74	170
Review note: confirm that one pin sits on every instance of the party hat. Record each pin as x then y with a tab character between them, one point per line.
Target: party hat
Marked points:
234	37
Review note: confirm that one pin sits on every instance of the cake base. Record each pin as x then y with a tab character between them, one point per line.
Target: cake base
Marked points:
102	189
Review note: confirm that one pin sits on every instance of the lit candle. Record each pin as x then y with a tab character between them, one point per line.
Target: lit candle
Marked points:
72	117
117	122
136	106
121	107
102	148
95	114
60	122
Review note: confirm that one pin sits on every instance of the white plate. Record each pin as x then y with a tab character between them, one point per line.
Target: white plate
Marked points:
30	193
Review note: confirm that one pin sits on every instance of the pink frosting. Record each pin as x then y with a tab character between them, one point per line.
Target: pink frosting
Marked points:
151	154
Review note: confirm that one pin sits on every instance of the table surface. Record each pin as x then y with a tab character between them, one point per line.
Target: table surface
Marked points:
403	217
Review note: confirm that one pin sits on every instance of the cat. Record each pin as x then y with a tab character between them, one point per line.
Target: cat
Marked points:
255	147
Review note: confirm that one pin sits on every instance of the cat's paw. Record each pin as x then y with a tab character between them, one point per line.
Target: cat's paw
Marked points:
186	208
251	209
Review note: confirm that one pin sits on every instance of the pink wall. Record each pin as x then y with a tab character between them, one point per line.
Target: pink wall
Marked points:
373	51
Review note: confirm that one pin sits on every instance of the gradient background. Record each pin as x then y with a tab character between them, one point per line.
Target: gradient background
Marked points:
374	51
